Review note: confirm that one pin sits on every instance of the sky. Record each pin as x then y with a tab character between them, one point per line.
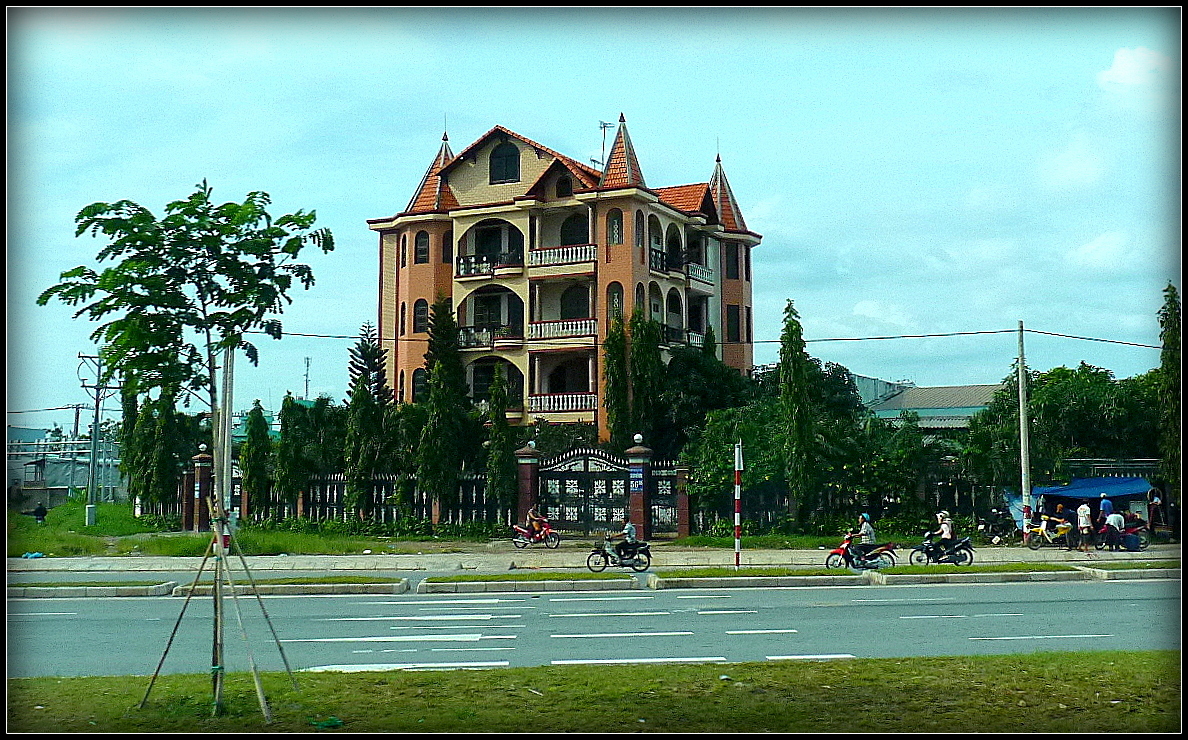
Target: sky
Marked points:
914	173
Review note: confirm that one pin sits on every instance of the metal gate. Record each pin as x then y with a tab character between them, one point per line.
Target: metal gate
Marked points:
587	491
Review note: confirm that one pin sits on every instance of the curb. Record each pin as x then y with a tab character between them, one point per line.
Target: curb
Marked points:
302	589
79	592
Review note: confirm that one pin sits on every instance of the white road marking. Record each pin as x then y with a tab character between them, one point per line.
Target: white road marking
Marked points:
957	616
601	598
629	634
730	611
405	666
614	614
760	632
828	656
611	661
1039	637
424	618
405	638
706	596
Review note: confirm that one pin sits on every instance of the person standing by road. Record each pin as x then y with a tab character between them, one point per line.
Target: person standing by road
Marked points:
1084	526
1106	508
1115	523
39	513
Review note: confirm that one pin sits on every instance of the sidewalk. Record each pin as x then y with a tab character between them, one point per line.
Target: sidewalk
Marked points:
571	555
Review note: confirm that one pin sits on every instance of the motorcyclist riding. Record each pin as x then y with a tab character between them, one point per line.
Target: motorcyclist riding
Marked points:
945	532
626	548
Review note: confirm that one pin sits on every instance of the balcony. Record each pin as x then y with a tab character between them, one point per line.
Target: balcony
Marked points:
566	255
481	265
562	328
488	336
562	402
700	272
676	335
661	261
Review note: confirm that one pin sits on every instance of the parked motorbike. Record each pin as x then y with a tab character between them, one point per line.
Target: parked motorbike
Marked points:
849	555
1138	528
999	527
1057	533
604	554
931	551
524	537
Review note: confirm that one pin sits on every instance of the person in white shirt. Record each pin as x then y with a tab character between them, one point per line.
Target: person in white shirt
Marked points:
1084	525
1115	523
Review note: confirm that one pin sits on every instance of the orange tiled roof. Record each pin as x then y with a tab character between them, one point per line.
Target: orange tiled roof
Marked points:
693	198
588	174
729	214
434	194
622	166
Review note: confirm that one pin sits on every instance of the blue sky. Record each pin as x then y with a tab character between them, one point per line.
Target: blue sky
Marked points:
912	172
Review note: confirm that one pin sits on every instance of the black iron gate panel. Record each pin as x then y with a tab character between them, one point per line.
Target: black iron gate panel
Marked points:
584	491
664	498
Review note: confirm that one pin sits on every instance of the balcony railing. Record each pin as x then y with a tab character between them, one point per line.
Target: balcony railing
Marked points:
566	255
485	264
700	272
562	328
676	335
661	261
562	402
470	337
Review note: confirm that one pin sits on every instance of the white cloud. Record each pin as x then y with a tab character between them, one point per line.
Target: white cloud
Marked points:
885	313
1077	165
1137	80
1106	252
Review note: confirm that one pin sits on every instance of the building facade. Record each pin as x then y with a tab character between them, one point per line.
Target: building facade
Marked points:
538	252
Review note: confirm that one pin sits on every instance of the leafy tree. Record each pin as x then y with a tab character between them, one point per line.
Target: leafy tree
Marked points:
450	432
310	444
363	447
696	383
646	375
367	366
186	286
797	416
1170	379
502	480
617	385
255	459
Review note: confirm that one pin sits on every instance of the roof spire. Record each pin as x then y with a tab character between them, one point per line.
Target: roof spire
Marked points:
434	194
621	169
729	214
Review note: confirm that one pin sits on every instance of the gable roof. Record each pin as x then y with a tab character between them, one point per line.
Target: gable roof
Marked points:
950	397
589	174
695	198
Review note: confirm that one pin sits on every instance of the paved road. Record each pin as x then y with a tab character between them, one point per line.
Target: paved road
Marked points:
129	636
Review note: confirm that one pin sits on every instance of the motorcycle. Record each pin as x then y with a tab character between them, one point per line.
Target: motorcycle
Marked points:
524	537
999	527
930	551
604	554
1058	533
849	555
1138	528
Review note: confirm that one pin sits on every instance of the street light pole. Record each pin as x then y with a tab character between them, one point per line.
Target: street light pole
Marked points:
1024	441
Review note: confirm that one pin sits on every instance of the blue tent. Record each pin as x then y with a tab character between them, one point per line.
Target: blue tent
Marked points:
1090	489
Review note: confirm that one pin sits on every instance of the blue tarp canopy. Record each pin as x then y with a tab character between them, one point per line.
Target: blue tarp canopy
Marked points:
1115	489
1092	488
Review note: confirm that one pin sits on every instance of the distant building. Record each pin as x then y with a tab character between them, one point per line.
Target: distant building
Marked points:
538	252
940	408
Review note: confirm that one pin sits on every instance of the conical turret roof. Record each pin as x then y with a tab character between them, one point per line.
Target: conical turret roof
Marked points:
434	194
729	214
622	168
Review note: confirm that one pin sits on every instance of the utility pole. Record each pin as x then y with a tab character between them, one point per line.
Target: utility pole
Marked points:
1024	441
98	393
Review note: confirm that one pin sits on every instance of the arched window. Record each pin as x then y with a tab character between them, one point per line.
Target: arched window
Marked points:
564	187
575	230
421	248
420	316
505	163
614	301
614	226
404	250
447	248
640	238
420	388
403	316
575	302
400	393
640	298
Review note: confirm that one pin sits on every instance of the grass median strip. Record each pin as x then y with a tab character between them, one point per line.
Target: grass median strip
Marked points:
1107	691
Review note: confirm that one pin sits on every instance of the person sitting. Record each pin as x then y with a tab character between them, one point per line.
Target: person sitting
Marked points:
866	536
626	548
534	523
945	532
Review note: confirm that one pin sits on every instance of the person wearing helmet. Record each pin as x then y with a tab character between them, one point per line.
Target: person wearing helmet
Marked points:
945	532
866	536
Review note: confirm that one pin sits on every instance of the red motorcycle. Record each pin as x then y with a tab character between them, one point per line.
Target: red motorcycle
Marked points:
1137	528
524	537
849	555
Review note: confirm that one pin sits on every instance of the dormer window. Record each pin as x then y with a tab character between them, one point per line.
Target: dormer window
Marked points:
564	187
505	163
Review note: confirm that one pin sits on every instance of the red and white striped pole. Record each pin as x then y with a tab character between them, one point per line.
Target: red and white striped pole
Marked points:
738	467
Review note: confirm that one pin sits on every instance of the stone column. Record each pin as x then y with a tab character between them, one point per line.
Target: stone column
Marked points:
527	469
203	489
682	499
639	466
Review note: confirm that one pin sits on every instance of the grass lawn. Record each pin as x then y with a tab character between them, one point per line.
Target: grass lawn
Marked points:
1037	692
